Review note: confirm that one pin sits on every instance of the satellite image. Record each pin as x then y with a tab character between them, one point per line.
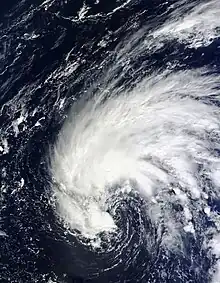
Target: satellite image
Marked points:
110	141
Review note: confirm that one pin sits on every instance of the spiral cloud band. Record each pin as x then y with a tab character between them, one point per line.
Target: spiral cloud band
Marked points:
157	143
